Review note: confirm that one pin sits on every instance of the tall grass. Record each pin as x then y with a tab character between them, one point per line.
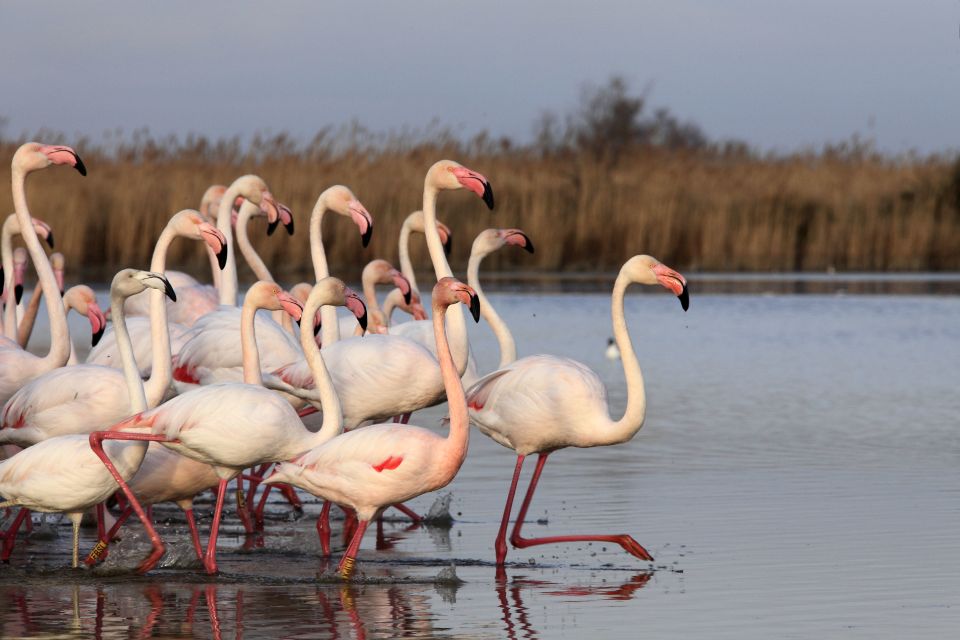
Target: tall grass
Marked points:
696	209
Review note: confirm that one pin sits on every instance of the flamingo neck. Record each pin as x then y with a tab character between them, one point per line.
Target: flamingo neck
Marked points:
59	334
458	324
370	295
248	342
625	428
330	330
458	438
228	275
508	347
332	413
247	210
161	368
131	374
406	266
6	252
25	327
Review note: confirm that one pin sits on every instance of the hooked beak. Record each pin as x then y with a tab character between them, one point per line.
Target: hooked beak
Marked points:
488	195
475	307
18	292
98	322
269	206
167	288
356	306
475	182
59	154
400	281
291	305
50	239
684	298
363	220
446	238
518	238
216	241
675	282
286	217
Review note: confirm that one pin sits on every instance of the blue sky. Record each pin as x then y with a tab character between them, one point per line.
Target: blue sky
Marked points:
777	74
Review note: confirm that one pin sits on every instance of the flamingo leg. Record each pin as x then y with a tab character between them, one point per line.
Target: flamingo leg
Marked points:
10	536
349	523
101	528
407	511
194	534
99	551
500	546
96	443
261	505
323	528
629	545
76	518
307	411
291	495
347	563
242	511
210	558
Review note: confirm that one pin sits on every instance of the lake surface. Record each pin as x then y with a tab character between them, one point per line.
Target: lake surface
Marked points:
796	477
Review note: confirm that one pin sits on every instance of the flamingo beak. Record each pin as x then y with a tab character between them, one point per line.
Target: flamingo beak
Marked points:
446	238
18	292
363	220
18	272
291	305
50	239
419	313
401	282
475	182
356	306
317	324
518	238
684	297
286	217
488	195
64	155
475	307
216	241
167	288
268	205
98	322
675	282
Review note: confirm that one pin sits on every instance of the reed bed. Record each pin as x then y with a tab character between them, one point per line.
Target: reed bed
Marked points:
701	209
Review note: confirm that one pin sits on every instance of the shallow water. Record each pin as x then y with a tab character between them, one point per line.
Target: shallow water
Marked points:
796	477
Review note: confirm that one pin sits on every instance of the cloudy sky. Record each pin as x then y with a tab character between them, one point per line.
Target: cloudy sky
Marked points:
779	74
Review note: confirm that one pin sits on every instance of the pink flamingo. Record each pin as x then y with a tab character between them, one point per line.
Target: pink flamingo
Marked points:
378	272
17	366
79	298
14	266
542	403
233	425
62	474
381	465
381	376
49	405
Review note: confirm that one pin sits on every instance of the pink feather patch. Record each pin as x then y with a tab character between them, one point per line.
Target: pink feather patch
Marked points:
389	464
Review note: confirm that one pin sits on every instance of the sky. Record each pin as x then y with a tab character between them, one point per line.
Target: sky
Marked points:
778	74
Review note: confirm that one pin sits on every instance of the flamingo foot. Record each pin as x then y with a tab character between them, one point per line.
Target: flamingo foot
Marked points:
629	545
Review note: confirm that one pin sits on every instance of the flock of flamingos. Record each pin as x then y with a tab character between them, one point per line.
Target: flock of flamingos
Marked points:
181	396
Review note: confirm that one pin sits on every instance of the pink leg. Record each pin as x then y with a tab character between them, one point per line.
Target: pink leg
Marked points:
10	536
101	528
500	546
261	505
407	511
99	551
96	443
323	528
629	545
307	411
349	524
291	495
194	534
210	558
345	569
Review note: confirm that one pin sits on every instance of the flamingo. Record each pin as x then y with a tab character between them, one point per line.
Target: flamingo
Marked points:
378	272
414	223
381	465
17	366
234	425
79	298
395	300
543	403
381	376
62	475
50	404
14	266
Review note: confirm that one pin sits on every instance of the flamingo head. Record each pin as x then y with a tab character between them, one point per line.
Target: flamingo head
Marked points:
354	304
490	240
447	174
382	272
82	298
43	231
416	307
332	291
291	305
19	270
285	217
129	282
340	199
33	156
190	224
450	291
210	202
647	270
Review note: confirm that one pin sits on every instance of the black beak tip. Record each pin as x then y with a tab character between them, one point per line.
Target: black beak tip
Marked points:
363	321
475	308
50	239
488	195
407	296
222	257
365	238
271	227
448	245
316	329
80	166
684	298
97	336
289	227
297	320
167	289
18	292
528	246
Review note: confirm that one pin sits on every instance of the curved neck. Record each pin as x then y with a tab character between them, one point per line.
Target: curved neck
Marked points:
161	374
6	253
25	328
458	324
406	266
370	294
332	413
508	347
457	439
131	374
248	343
228	275
247	210
624	429
59	334
330	330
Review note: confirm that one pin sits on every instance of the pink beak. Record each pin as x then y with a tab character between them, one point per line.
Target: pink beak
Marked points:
59	154
291	305
98	322
400	282
215	240
363	220
475	182
356	306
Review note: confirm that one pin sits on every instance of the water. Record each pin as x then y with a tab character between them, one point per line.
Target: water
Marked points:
796	477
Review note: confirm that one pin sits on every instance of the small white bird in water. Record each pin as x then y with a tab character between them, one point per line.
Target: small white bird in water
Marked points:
613	351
